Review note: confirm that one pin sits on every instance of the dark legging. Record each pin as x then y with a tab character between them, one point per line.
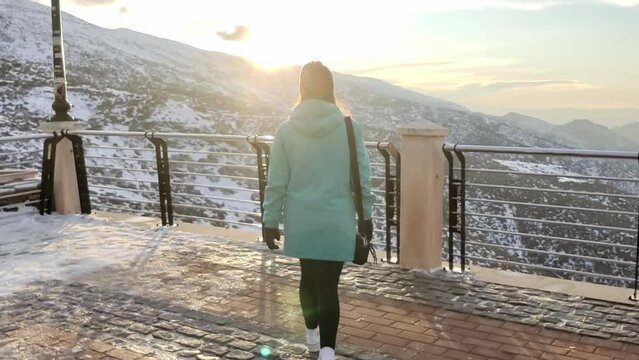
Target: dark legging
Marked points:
319	298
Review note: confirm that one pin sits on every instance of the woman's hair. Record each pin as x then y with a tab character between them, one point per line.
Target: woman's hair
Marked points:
316	82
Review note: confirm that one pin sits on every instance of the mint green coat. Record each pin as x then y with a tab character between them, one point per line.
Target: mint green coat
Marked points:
309	186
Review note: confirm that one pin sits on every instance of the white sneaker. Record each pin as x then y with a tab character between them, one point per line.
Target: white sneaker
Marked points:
313	339
326	353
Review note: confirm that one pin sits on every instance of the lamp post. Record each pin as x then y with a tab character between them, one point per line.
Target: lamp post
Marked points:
60	104
65	179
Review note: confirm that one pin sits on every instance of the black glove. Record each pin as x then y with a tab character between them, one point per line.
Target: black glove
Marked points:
269	235
367	229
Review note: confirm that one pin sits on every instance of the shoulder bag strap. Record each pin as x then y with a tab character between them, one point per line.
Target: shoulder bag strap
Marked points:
357	186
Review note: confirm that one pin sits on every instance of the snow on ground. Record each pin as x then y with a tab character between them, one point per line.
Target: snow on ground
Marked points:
20	23
83	107
39	101
182	114
571	180
34	247
534	167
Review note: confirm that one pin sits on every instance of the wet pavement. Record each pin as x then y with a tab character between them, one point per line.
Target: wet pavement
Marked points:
84	288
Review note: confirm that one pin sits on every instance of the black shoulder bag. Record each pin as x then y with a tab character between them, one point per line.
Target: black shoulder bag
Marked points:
362	245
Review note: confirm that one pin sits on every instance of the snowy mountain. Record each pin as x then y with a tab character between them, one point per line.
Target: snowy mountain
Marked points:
629	132
123	80
527	122
581	133
595	136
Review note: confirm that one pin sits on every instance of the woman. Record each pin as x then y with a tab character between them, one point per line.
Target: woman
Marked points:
309	187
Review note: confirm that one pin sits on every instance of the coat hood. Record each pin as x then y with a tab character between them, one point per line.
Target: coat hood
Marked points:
316	117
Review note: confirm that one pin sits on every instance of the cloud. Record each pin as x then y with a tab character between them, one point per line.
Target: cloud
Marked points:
93	2
519	84
240	33
541	4
627	3
522	5
529	4
402	66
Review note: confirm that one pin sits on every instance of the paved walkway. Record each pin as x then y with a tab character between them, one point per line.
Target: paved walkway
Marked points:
179	295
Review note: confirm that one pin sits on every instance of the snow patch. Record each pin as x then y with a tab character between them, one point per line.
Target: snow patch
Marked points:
36	248
83	107
534	167
39	99
183	115
572	180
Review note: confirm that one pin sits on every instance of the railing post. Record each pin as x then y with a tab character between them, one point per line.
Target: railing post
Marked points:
453	197
388	186
422	185
263	153
462	208
456	206
634	297
164	178
398	180
48	171
81	173
391	187
63	183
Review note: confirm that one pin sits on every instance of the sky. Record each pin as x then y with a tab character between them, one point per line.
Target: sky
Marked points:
558	60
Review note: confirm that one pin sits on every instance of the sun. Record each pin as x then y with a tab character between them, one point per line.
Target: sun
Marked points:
276	44
271	52
261	57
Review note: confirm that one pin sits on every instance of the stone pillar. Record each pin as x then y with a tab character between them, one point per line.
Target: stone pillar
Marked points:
422	199
65	181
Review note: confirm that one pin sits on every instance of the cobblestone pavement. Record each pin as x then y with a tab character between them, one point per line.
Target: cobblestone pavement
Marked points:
76	320
214	298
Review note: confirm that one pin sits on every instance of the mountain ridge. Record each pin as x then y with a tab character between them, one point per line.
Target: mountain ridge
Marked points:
628	131
118	82
578	133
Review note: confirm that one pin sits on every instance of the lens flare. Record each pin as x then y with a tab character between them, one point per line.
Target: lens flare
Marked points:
265	351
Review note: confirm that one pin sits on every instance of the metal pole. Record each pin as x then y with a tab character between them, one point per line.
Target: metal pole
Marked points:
263	158
388	199
634	297
81	173
60	104
452	208
164	178
462	210
398	182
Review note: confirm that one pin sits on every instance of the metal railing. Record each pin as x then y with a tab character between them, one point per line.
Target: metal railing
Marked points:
216	179
555	212
123	169
20	153
386	179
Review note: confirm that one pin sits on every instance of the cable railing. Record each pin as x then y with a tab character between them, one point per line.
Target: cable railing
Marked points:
199	180
219	186
122	174
386	169
554	212
20	168
214	179
204	178
21	152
